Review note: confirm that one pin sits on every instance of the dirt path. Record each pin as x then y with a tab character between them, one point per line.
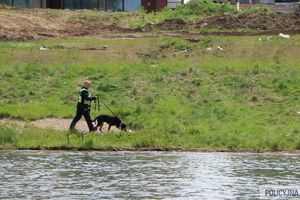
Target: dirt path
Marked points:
53	123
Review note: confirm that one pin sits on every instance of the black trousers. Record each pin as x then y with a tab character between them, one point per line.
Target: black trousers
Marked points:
85	111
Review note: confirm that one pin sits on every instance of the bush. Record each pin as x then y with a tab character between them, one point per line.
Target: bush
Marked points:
7	135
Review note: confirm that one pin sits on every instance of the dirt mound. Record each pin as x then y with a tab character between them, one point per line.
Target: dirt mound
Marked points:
169	24
273	21
24	24
233	24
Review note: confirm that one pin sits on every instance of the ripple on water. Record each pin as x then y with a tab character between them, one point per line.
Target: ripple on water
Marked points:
81	175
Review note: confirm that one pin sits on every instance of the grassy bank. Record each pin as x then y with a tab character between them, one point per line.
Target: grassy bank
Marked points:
172	92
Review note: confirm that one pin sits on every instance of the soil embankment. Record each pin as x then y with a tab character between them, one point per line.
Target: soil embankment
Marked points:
230	24
25	24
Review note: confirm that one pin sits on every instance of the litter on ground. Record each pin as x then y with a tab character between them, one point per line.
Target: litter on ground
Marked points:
44	48
284	35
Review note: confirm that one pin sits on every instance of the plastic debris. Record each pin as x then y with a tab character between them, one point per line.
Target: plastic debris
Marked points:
205	24
209	49
181	75
103	47
154	66
44	48
185	50
259	39
284	35
220	48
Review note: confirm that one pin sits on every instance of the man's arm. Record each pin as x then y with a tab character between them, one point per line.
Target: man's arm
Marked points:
85	96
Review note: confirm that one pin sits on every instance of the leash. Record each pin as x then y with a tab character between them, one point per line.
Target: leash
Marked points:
108	108
96	107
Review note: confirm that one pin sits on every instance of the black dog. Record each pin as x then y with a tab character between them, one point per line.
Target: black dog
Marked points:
111	121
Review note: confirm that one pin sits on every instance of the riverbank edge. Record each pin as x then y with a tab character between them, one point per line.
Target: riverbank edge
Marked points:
152	149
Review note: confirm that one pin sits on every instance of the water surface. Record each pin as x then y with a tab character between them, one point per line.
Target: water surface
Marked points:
142	175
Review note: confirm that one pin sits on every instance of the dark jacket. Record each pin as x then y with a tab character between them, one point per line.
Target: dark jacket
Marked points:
84	98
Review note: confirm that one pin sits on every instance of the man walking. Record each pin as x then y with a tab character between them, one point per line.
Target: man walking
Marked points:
84	106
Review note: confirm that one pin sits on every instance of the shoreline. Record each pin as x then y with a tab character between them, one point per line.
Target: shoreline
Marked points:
155	149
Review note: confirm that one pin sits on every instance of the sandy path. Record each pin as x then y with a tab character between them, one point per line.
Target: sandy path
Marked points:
13	123
63	124
54	123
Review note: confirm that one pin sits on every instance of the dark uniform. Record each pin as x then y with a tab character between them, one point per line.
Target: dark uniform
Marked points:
83	108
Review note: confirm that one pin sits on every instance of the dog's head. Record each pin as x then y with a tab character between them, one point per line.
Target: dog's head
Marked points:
123	127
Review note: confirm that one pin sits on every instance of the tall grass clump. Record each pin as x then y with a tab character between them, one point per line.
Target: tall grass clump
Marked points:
204	7
7	135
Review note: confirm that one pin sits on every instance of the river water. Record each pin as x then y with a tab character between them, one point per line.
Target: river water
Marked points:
142	175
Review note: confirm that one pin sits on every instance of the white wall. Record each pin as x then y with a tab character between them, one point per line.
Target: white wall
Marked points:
174	3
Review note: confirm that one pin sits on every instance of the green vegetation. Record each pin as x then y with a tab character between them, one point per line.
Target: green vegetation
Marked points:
192	11
171	92
7	136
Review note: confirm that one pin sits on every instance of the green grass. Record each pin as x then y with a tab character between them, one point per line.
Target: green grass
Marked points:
244	97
